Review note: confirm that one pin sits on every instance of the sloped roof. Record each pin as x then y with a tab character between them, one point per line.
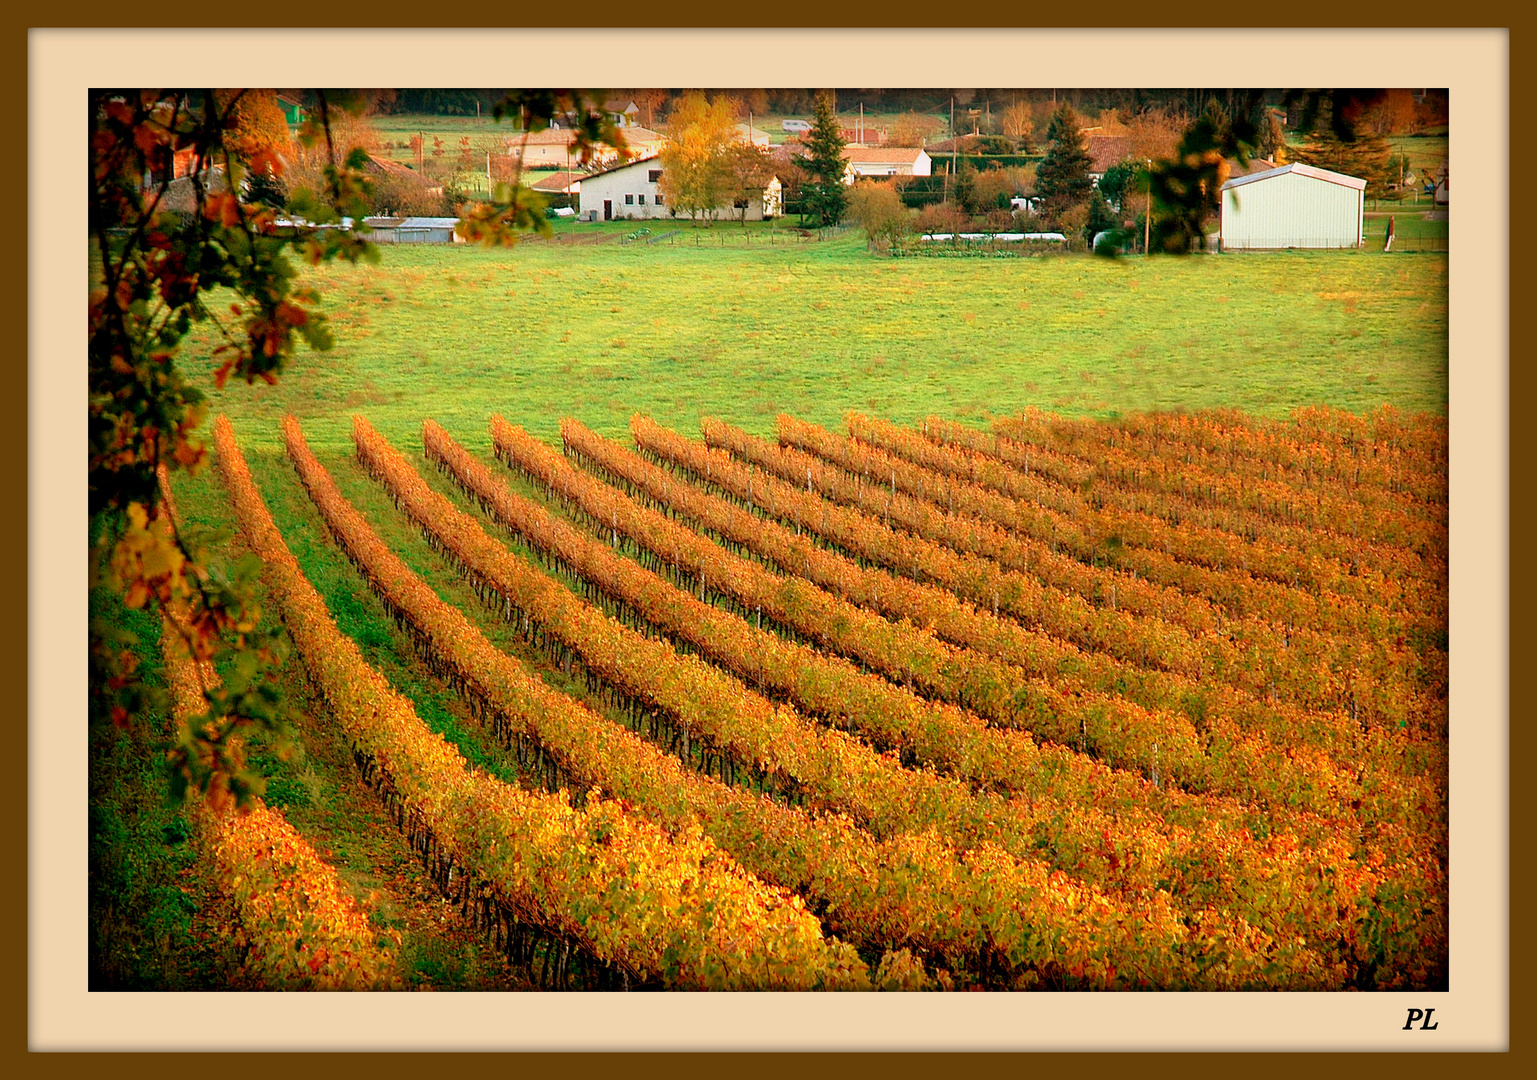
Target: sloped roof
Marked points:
561	182
1300	170
547	137
385	167
785	158
1106	151
883	154
624	165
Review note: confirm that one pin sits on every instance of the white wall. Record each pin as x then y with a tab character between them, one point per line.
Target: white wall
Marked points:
632	181
1291	210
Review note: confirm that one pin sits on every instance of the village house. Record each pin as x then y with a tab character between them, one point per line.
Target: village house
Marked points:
623	112
1106	152
756	136
551	148
861	133
885	161
632	190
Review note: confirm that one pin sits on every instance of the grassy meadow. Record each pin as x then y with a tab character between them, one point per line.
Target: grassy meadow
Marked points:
705	324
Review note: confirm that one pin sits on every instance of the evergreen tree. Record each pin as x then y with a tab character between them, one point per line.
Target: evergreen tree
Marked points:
824	195
1269	139
1366	155
1063	177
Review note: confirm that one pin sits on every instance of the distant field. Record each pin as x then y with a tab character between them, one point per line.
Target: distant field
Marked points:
743	331
1426	153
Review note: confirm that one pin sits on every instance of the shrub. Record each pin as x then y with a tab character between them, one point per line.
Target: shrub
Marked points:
878	209
941	217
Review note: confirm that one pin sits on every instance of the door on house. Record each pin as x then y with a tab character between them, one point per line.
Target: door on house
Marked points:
608	209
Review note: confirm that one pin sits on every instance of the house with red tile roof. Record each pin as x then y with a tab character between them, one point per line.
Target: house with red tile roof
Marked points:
1105	152
623	112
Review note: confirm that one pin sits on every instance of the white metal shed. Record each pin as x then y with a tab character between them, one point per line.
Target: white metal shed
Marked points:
1294	206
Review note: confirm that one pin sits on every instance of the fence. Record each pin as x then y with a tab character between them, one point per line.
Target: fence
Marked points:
1312	243
723	234
1409	243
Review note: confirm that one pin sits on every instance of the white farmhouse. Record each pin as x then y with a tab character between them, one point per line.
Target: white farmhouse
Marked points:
632	191
885	161
1294	206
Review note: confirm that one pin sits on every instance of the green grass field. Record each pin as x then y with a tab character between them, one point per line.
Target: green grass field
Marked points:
707	323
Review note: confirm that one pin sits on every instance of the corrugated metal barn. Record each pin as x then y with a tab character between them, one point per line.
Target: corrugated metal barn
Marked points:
411	230
1294	206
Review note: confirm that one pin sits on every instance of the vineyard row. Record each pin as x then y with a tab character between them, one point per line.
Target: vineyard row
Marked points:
1302	454
1312	559
299	926
1250	655
1049	545
638	906
1074	677
963	885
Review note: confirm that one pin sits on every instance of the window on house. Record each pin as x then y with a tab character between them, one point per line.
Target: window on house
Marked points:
658	198
653	175
642	199
740	204
629	200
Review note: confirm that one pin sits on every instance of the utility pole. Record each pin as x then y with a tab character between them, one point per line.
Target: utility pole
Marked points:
1147	219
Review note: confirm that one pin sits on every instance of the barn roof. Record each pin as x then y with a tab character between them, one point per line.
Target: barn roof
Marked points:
383	222
1300	170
